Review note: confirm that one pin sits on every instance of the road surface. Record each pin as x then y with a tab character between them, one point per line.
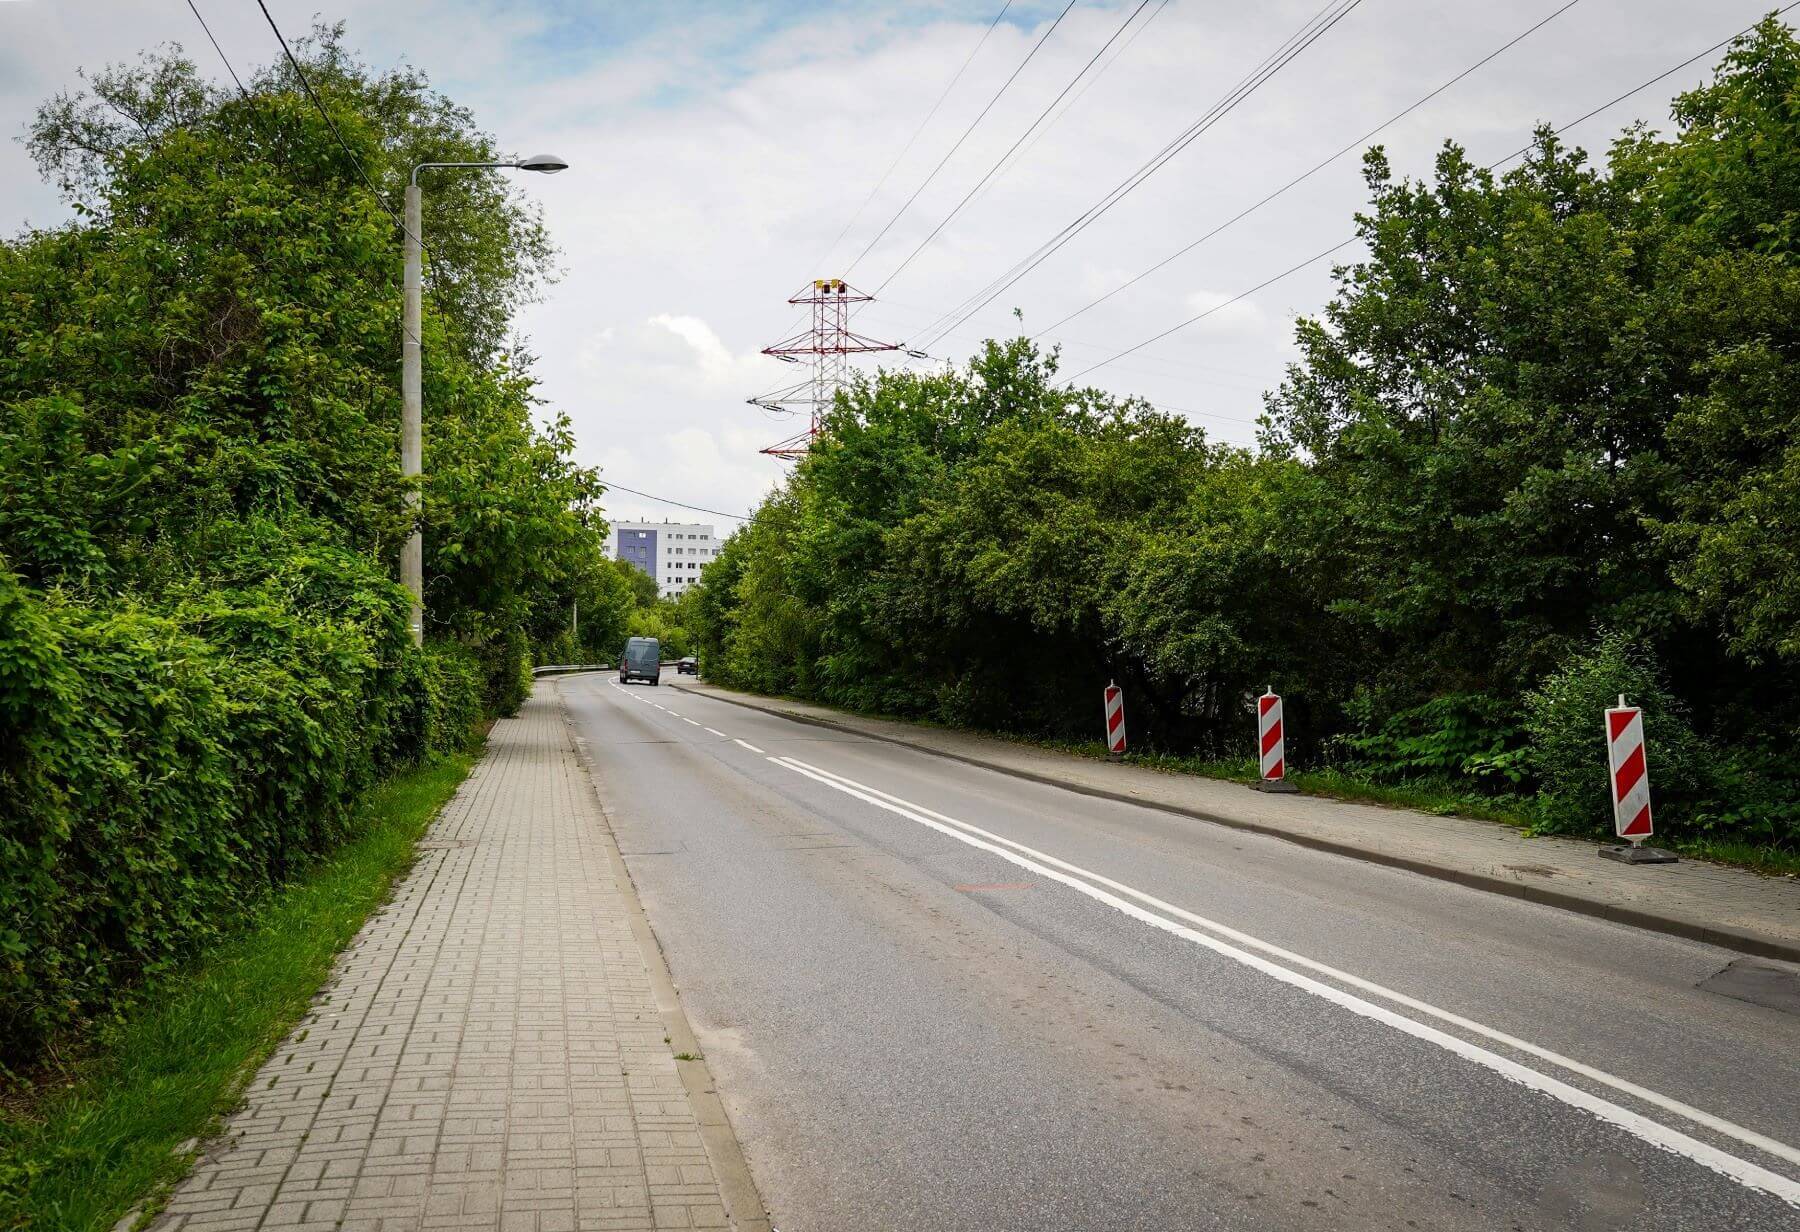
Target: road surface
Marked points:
938	997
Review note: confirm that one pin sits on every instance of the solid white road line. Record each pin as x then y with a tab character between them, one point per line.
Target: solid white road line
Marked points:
721	735
1748	1137
1653	1132
746	744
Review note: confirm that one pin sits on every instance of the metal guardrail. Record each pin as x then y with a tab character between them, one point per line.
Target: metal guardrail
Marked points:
564	669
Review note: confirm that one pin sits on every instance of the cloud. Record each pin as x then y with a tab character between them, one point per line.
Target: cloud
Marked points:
681	351
717	148
1226	314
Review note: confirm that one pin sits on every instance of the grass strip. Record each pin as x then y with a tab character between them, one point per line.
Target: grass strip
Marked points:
1438	797
88	1143
1442	798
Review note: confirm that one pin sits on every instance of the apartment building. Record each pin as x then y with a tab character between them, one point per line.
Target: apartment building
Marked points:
673	553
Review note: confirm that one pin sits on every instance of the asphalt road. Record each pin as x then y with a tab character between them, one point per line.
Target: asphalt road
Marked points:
937	997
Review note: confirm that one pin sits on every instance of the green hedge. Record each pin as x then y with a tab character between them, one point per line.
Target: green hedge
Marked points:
505	664
161	769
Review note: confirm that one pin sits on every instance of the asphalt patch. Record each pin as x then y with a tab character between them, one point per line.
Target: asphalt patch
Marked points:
1759	981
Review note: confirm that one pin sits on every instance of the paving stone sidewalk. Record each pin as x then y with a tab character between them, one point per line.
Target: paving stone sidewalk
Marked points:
1726	906
489	1053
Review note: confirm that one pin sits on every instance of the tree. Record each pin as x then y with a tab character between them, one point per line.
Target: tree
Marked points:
1549	415
1728	190
217	340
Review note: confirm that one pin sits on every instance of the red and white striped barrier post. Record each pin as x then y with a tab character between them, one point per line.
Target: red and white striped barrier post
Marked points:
1629	784
1271	743
1115	720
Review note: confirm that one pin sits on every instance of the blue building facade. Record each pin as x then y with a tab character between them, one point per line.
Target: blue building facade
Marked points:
638	547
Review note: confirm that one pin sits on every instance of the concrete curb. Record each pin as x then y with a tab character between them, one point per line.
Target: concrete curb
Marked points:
1742	941
743	1201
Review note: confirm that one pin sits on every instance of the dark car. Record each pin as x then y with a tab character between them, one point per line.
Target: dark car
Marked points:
642	660
689	666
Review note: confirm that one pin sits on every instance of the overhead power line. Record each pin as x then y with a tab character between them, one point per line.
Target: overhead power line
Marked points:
356	162
245	94
1284	53
1079	95
1078	344
215	44
907	204
995	169
917	132
1315	259
1219	307
1315	168
921	357
717	513
1290	49
1638	89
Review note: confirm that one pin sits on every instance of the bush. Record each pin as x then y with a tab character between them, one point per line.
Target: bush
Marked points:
1757	799
453	698
506	668
1565	727
1462	735
161	770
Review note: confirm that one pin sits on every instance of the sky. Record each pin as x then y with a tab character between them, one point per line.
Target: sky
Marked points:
718	151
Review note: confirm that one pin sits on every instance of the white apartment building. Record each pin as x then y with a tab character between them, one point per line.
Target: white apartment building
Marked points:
671	552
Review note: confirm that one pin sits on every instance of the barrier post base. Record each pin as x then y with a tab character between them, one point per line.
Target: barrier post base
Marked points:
1630	853
1280	787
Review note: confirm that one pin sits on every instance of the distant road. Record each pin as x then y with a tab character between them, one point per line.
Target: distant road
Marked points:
936	997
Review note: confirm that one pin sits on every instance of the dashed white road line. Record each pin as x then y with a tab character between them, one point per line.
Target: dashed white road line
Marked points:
721	735
746	744
688	721
1655	1133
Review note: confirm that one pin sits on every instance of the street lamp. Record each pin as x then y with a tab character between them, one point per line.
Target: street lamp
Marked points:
412	554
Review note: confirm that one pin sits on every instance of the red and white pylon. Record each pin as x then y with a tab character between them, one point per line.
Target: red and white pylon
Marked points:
1630	772
825	346
1115	719
1271	740
1628	783
1271	743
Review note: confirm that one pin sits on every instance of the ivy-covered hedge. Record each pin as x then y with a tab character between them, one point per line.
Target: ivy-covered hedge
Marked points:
202	660
160	769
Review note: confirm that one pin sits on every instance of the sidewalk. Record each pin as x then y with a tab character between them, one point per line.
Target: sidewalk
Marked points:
490	1053
1729	907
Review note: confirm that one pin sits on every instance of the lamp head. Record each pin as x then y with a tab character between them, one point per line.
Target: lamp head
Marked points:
549	164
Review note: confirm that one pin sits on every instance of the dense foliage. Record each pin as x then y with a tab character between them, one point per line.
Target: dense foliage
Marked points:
203	656
1543	447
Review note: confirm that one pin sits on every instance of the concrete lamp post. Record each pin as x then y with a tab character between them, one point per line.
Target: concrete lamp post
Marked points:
412	555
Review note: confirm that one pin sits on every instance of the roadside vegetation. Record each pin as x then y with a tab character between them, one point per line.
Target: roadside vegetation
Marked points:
619	601
1541	449
116	1119
205	668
